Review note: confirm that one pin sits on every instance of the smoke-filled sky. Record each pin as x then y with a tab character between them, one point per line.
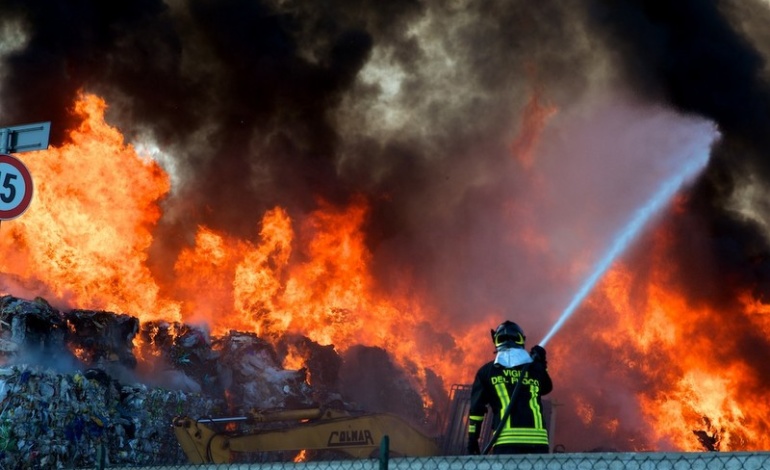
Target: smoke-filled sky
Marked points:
501	145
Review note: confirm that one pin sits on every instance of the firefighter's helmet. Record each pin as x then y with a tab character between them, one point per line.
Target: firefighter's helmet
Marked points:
508	335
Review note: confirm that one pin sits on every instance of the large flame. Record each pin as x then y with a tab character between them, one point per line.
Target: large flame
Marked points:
86	233
86	236
693	393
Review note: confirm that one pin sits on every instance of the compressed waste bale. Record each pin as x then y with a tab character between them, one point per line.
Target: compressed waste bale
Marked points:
54	420
322	364
102	337
251	372
32	328
374	382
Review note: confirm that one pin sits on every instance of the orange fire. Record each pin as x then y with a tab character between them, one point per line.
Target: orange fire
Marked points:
693	394
85	239
294	360
301	456
86	233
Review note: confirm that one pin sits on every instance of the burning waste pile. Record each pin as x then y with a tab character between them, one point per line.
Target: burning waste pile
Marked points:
75	411
74	390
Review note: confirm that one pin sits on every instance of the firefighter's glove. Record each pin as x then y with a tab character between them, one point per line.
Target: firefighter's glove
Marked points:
473	445
538	354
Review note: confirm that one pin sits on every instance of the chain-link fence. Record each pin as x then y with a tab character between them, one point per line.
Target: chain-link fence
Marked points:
383	459
566	461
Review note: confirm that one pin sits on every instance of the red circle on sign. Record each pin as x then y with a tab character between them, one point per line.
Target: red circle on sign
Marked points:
23	203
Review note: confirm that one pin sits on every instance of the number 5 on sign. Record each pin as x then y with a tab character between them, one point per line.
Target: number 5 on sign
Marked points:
15	187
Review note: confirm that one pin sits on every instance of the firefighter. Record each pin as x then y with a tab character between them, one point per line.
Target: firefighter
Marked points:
524	431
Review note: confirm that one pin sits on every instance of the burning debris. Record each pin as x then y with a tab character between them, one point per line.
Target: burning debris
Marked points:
243	358
360	377
72	389
240	365
709	437
102	337
322	363
181	355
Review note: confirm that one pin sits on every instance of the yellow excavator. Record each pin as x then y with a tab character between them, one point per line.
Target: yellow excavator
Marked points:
218	440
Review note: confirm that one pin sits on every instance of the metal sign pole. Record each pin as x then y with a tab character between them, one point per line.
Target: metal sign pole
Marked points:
3	147
4	140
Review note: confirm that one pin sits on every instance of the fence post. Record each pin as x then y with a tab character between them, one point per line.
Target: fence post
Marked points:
101	455
384	452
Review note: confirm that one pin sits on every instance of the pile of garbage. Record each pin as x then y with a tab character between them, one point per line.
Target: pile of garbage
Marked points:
83	388
57	420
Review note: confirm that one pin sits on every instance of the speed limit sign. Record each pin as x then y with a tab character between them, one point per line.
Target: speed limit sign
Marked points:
15	187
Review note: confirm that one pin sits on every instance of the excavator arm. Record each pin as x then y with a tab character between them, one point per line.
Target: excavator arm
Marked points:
313	429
